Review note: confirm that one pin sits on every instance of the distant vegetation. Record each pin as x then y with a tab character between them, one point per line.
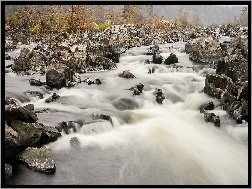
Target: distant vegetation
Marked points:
43	19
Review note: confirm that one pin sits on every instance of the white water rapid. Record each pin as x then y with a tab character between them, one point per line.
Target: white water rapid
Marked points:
148	143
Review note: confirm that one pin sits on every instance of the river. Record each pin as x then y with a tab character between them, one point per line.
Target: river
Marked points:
148	143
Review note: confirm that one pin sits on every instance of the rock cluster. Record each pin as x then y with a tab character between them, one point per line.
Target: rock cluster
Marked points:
230	59
23	133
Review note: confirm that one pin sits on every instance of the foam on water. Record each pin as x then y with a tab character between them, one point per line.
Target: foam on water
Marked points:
147	143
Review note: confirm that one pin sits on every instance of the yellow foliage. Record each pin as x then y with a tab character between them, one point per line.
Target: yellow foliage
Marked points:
37	28
103	26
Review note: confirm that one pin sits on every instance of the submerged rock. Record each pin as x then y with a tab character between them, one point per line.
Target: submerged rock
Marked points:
38	159
52	98
208	106
75	143
159	95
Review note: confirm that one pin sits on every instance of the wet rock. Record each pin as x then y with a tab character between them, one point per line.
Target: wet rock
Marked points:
157	59
105	63
137	90
55	79
208	106
14	112
125	104
11	141
104	117
8	170
38	159
29	60
35	94
7	57
49	134
211	117
35	82
52	98
62	77
243	91
69	126
29	107
147	61
171	59
159	95
10	48
127	74
28	133
75	143
12	101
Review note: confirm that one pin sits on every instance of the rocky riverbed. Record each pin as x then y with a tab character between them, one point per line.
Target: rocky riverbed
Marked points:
52	93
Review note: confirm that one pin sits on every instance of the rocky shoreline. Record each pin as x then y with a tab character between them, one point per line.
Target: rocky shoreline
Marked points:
61	61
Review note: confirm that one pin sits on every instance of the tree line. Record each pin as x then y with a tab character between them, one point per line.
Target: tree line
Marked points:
78	18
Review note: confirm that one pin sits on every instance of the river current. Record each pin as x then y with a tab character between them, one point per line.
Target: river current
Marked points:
148	143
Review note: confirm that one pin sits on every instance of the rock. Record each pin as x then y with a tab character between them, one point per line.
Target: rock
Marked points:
52	98
171	59
98	81
104	117
11	142
36	94
29	107
49	134
208	106
62	77
70	125
157	58
127	74
14	112
137	90
8	170
55	79
28	133
75	143
159	95
211	117
214	81
38	159
147	61
125	104
35	82
10	48
7	56
243	91
12	101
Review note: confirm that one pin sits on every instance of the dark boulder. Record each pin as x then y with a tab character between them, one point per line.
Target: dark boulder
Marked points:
55	79
208	106
12	101
171	59
14	112
8	170
38	159
7	56
49	134
157	58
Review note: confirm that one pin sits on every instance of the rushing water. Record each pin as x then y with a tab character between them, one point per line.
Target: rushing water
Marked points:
148	143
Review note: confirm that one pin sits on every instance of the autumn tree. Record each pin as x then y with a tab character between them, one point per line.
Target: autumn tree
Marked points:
196	20
182	18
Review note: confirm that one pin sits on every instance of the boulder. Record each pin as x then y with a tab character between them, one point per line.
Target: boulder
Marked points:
69	126
38	159
243	91
104	117
171	59
12	101
14	112
157	58
7	56
126	74
28	133
62	77
55	79
52	98
49	134
159	95
11	142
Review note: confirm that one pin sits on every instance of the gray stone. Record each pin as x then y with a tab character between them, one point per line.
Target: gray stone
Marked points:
38	159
